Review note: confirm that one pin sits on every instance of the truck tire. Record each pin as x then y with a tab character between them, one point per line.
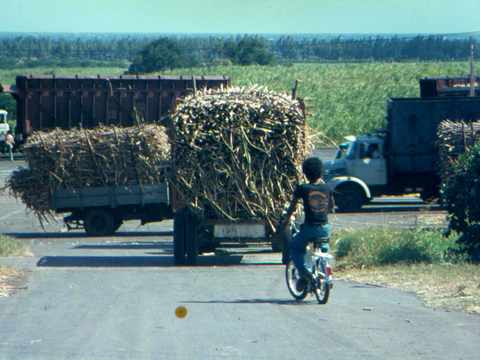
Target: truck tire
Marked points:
191	239
206	242
179	230
349	198
429	196
118	223
195	235
99	222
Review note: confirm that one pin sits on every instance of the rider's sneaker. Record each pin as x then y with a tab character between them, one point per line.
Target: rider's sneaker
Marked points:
300	285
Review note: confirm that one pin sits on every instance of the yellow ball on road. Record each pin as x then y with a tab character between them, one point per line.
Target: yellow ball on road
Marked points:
181	312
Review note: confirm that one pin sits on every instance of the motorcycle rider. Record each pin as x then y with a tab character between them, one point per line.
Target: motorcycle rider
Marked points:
317	203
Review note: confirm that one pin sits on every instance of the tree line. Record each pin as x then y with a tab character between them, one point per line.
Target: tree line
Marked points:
122	50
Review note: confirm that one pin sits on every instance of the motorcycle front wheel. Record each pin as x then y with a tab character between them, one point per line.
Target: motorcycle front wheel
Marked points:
322	289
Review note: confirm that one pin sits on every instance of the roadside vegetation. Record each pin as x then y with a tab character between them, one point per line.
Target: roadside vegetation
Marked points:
11	247
8	277
461	195
422	261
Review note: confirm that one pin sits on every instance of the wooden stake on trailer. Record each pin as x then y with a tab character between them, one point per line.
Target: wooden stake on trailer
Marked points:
194	86
294	89
472	68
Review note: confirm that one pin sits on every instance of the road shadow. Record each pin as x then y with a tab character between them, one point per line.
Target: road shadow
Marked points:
126	246
82	235
253	301
143	261
394	209
105	261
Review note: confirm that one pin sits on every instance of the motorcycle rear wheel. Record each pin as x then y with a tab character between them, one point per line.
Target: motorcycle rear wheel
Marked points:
292	276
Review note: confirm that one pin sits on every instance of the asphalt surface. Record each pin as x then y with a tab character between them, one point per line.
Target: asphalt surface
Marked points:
115	297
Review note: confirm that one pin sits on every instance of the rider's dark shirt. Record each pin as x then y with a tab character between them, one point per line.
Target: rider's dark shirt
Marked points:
316	202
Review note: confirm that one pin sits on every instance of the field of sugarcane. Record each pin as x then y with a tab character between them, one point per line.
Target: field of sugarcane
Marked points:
342	98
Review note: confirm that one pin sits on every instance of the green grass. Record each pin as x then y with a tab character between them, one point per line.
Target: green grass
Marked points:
8	76
382	245
420	261
11	247
342	98
453	287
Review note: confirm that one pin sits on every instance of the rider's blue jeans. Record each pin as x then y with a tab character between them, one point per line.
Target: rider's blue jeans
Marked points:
300	241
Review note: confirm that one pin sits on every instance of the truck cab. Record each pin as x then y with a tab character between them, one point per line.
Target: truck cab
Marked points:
4	127
358	170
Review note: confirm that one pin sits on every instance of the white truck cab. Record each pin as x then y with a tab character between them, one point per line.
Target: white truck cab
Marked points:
4	127
358	167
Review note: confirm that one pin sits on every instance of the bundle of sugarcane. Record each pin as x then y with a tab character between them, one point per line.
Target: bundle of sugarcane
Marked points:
237	152
454	138
77	158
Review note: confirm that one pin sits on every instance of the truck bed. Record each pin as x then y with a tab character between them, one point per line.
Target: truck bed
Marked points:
412	125
110	196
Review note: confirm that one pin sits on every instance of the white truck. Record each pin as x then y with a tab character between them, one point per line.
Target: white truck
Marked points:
401	159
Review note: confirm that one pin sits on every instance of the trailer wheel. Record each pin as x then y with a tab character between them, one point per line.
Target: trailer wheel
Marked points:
193	237
206	243
179	230
349	198
99	222
277	243
118	223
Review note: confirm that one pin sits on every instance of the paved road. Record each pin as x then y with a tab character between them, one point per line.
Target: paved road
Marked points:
114	298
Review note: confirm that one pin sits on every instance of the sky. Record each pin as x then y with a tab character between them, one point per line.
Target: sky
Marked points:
241	16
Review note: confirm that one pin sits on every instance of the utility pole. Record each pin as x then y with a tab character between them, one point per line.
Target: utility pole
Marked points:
472	68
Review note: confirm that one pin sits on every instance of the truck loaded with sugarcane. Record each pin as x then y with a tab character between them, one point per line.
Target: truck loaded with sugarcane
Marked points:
404	157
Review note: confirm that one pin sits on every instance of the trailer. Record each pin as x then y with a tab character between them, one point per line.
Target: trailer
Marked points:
47	102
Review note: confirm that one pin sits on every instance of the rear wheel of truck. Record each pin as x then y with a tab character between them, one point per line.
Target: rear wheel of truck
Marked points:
191	241
118	223
179	232
206	242
99	222
349	198
192	236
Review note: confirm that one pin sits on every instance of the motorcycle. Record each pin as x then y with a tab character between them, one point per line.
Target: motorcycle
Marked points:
319	262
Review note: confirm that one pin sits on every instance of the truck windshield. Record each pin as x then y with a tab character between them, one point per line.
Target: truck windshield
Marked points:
350	152
341	151
3	118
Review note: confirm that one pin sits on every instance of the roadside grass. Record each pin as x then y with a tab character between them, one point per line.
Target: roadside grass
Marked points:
420	261
7	76
12	247
378	246
7	278
452	287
